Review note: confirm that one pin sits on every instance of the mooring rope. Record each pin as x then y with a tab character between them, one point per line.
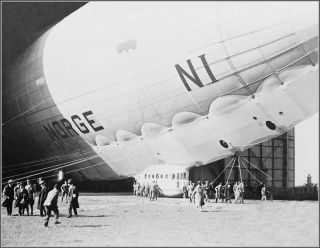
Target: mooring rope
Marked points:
222	171
73	163
46	168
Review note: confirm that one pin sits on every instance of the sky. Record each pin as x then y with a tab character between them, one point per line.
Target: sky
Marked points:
307	150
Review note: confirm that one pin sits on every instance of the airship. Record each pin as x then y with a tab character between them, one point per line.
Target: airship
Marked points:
149	89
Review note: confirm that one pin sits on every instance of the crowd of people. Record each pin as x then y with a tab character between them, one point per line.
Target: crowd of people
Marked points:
146	189
202	192
24	194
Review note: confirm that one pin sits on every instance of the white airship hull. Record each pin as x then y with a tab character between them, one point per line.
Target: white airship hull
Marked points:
127	90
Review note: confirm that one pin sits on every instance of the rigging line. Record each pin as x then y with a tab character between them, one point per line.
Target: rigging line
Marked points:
251	173
71	171
223	170
56	165
45	162
230	171
239	169
257	168
36	161
85	167
75	170
17	116
73	163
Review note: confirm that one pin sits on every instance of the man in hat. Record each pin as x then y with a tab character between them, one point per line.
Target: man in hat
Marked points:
65	190
228	193
206	188
218	192
8	194
241	190
73	198
22	200
42	197
15	189
263	193
51	204
30	195
190	191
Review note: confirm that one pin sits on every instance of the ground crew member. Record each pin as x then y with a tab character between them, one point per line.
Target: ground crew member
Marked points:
142	193
190	191
22	200
73	198
241	192
263	193
153	191
138	189
228	193
218	191
134	188
184	190
197	194
64	191
15	189
29	189
147	190
8	194
236	192
206	191
42	197
51	204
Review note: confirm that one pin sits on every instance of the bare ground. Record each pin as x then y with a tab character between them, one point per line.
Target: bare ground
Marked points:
106	220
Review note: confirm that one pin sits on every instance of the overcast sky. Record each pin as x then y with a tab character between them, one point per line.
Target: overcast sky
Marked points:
307	150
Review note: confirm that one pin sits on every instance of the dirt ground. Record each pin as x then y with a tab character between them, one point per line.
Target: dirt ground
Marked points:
115	220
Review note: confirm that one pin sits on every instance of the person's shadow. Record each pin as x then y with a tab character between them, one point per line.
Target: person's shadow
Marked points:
89	225
94	216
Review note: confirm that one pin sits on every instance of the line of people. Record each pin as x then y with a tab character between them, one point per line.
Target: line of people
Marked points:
146	189
219	192
24	197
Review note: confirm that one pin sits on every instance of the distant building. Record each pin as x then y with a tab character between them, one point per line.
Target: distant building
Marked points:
274	157
309	183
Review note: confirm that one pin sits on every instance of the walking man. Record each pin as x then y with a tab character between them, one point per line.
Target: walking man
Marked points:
134	188
263	193
241	192
16	189
8	194
22	200
197	194
73	199
184	190
30	196
206	191
153	191
228	193
51	204
65	190
218	191
42	197
190	190
236	191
